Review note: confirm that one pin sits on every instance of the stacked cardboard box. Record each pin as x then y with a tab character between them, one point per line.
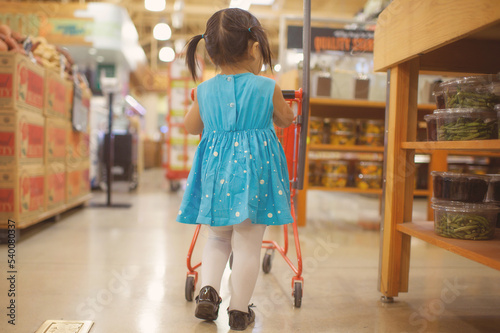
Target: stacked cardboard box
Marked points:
22	169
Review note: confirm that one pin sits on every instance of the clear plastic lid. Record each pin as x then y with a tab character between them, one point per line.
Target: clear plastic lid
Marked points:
465	112
456	175
336	162
373	121
464	207
336	175
430	116
366	163
344	133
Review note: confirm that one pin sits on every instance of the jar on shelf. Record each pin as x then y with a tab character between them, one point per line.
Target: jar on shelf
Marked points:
342	124
371	139
343	138
477	169
316	123
335	167
315	172
371	126
334	180
463	124
315	137
369	175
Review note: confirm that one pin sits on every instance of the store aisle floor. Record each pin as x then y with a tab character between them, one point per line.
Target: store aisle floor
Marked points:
126	268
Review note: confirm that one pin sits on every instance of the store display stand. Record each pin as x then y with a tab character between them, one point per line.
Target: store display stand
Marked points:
109	86
454	36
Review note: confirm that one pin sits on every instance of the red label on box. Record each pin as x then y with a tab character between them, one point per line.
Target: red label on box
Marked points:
74	183
35	89
7	143
57	95
5	85
31	140
6	199
57	142
31	193
57	187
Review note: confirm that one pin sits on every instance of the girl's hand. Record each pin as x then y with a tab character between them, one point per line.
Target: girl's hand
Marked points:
192	120
283	114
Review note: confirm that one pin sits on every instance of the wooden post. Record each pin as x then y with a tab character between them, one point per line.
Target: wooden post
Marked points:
400	168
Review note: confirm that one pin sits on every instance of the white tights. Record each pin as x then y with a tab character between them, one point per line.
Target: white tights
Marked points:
245	241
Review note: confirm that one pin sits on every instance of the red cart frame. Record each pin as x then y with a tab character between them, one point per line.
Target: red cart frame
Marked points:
289	138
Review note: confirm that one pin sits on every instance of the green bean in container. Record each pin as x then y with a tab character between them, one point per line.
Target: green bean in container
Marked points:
466	124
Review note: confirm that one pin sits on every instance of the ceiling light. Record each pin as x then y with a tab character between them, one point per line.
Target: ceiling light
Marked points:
277	67
99	59
154	5
92	51
166	54
245	4
162	31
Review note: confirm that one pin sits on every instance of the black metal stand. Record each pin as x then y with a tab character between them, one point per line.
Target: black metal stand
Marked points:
109	148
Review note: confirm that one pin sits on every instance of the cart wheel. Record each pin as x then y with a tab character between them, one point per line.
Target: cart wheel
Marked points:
267	263
297	294
189	288
175	186
231	261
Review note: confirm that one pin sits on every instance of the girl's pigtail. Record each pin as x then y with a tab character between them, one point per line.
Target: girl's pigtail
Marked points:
260	36
191	59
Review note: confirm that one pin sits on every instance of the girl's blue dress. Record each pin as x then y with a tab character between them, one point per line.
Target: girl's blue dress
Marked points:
239	170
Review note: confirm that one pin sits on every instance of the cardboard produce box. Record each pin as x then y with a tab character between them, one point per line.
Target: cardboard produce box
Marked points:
21	83
55	185
77	149
21	138
56	131
58	95
77	181
22	194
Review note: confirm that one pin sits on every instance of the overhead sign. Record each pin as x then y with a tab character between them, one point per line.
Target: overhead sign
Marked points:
327	39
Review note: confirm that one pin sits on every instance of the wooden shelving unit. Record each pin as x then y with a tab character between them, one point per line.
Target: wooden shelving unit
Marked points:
356	109
458	36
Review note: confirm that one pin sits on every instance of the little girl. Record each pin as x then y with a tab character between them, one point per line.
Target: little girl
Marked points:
238	183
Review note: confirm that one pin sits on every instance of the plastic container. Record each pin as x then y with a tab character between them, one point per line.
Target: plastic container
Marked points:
332	180
431	121
315	172
473	91
315	136
343	138
368	175
459	186
316	123
371	139
371	126
494	189
497	110
477	169
465	220
335	167
342	124
466	124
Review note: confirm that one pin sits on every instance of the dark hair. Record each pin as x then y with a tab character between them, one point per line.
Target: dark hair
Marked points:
227	37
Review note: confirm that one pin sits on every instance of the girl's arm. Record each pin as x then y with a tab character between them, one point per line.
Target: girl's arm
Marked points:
192	120
283	114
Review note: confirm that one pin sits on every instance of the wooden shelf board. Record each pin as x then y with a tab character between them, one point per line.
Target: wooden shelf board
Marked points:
422	193
365	149
50	213
484	252
476	145
317	101
346	189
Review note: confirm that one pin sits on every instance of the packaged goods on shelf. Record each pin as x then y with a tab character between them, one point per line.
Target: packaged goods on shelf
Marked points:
494	189
477	169
56	132
21	83
465	220
21	138
343	138
334	180
369	175
316	123
459	186
371	139
335	167
58	95
341	124
55	185
431	121
479	91
315	172
315	136
466	124
371	126
22	193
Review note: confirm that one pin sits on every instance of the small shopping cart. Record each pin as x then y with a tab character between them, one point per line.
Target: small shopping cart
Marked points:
289	138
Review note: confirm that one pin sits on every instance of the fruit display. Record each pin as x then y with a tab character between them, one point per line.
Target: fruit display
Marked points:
371	126
333	180
343	138
341	124
369	175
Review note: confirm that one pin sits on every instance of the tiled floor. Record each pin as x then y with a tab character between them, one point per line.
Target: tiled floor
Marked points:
125	269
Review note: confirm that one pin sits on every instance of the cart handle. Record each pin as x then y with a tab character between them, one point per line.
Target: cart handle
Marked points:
287	94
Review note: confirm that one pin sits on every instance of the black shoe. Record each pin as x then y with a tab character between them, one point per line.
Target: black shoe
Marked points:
239	320
207	304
